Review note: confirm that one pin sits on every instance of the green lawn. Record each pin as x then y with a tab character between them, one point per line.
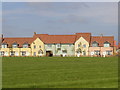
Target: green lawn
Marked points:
60	72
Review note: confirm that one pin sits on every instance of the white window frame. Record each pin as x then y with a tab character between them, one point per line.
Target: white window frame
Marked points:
40	52
14	45
2	53
25	45
58	45
23	53
4	45
49	45
95	44
12	53
97	52
109	52
106	44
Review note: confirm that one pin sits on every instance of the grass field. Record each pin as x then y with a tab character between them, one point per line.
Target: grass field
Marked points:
60	72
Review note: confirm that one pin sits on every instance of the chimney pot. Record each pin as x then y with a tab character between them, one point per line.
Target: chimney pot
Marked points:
101	35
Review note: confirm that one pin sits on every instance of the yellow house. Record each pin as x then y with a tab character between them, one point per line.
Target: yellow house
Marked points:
37	48
21	47
81	47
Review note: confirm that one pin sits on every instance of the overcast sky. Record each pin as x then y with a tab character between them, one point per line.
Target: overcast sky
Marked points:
21	19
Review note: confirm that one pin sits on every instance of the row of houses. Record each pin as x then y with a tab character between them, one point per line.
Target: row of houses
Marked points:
79	44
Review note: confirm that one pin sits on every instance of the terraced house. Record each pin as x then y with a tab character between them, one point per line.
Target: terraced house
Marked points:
79	44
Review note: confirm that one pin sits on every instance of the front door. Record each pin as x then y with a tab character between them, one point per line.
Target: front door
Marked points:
49	53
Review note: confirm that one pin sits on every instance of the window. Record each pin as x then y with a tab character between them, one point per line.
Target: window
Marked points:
2	53
78	45
106	44
40	46
94	44
34	53
14	45
23	53
4	45
84	53
78	50
97	52
40	52
58	45
34	46
70	45
25	45
108	52
64	51
49	45
12	53
84	45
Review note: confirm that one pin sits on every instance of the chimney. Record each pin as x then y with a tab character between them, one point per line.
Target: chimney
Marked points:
34	32
101	35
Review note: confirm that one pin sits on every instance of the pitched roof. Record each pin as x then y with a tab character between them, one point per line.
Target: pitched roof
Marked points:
62	38
102	39
19	41
49	39
86	36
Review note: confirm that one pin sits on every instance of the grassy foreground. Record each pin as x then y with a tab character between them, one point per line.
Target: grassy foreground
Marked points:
60	72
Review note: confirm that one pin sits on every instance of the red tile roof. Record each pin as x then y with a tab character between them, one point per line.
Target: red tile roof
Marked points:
49	39
101	39
19	41
57	38
63	38
86	36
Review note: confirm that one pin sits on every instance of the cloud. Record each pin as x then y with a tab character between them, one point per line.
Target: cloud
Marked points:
70	19
106	13
103	12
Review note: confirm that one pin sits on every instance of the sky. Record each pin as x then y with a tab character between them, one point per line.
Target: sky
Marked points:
22	19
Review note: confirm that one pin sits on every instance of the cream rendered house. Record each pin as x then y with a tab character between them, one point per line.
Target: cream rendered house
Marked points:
81	47
37	48
22	47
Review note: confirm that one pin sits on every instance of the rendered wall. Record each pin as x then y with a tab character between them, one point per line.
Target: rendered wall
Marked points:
82	41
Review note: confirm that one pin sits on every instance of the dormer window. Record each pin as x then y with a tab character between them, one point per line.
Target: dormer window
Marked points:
25	45
4	45
94	44
14	45
106	44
